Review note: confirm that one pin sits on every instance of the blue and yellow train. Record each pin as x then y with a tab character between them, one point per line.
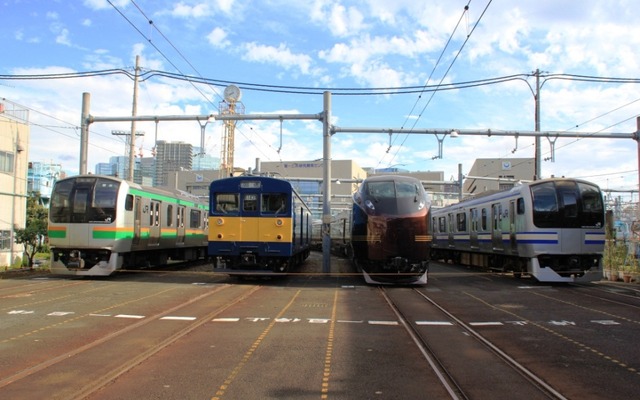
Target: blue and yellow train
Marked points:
257	224
101	224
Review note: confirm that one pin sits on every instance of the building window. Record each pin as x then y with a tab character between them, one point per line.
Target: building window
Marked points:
5	240
6	161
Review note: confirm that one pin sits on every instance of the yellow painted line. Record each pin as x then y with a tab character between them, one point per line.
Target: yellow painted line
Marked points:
247	356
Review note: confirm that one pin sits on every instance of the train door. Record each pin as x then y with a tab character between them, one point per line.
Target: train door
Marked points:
513	242
137	220
451	230
496	228
473	229
180	224
154	223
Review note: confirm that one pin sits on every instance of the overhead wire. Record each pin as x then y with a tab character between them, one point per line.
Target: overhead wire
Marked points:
448	69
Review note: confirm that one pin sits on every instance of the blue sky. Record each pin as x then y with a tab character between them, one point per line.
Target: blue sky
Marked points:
334	44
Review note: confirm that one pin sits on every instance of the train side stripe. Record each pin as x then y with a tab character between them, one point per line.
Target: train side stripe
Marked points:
57	232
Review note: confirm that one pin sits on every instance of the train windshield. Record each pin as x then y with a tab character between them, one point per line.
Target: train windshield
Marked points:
394	197
84	199
226	203
391	189
567	204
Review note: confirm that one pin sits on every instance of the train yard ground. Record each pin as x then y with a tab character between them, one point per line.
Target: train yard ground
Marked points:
190	334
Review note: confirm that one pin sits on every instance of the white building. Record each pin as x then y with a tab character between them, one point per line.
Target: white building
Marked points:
14	149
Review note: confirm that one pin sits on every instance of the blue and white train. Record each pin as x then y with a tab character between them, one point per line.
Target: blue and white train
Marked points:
551	229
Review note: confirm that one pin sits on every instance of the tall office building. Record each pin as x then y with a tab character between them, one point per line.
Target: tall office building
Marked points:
171	157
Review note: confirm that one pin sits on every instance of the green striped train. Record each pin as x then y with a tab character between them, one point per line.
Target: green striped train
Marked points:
101	224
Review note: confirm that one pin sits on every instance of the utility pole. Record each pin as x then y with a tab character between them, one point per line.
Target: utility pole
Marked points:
134	112
538	153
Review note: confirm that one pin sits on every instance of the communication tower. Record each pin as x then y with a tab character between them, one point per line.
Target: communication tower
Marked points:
230	106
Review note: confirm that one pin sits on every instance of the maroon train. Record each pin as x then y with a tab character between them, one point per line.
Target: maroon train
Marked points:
390	234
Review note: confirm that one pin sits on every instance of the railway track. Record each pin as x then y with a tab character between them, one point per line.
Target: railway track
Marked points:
449	373
40	379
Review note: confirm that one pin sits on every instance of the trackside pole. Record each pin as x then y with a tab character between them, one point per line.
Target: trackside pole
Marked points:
84	133
326	177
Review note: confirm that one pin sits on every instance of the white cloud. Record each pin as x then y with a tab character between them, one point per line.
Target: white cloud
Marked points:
63	37
218	38
200	10
102	4
280	56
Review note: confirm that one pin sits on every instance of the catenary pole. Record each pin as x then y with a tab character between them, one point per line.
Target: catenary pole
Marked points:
84	132
326	176
134	112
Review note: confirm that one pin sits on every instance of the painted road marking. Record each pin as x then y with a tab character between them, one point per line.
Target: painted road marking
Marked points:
605	322
434	323
226	319
129	316
172	318
485	323
390	323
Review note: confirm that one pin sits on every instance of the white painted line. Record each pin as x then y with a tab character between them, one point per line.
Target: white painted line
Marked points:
605	322
60	313
179	318
99	315
434	323
129	316
485	323
226	319
350	322
383	322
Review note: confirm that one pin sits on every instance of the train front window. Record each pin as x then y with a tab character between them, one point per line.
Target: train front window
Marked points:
592	205
273	203
84	199
227	203
405	189
250	202
381	189
566	204
59	210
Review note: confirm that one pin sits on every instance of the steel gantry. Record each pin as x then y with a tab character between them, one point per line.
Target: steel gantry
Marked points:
328	131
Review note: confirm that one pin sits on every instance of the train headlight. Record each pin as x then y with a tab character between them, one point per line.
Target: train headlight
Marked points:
370	206
279	222
220	221
421	205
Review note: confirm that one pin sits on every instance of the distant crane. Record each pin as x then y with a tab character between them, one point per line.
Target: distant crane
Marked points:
230	106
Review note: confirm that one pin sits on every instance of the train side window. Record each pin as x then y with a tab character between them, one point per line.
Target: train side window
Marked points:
473	215
520	206
156	215
484	219
194	220
169	215
451	223
461	219
442	224
128	203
